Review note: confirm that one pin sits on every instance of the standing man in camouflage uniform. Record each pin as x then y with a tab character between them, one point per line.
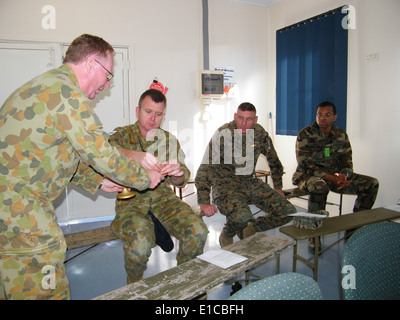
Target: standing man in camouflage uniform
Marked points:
155	149
50	136
228	167
324	158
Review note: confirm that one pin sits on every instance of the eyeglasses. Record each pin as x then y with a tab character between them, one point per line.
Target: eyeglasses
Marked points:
109	75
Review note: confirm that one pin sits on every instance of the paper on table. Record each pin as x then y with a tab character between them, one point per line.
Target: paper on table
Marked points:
308	215
222	258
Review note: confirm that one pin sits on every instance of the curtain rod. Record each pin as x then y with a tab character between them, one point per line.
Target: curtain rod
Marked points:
317	17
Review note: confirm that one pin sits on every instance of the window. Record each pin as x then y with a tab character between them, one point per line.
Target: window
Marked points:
311	68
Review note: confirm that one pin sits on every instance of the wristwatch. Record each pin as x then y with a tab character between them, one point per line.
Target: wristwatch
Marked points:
101	184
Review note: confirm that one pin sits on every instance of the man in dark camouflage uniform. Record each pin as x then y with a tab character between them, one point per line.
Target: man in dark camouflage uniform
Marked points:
155	149
50	136
324	158
228	167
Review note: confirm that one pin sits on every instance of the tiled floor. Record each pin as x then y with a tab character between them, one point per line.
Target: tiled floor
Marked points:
100	269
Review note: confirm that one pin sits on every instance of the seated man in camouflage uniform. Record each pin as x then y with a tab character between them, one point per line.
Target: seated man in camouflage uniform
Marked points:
228	167
155	149
324	158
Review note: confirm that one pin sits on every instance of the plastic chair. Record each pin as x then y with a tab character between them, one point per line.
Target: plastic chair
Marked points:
373	252
285	286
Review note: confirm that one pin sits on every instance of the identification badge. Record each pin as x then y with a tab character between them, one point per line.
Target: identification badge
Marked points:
327	153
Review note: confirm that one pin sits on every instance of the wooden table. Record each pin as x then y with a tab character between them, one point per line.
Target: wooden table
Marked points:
193	278
332	225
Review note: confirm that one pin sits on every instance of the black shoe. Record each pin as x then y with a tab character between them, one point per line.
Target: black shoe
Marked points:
236	287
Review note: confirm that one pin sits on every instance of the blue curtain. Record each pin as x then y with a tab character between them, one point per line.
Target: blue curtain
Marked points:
311	68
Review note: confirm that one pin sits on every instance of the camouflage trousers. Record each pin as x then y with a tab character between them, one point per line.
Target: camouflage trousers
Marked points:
34	274
136	230
366	189
235	206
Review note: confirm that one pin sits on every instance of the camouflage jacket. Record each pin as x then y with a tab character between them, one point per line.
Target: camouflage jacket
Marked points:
319	155
164	146
230	160
49	134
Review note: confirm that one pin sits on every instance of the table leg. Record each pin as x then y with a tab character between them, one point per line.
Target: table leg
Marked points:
278	263
247	278
316	255
294	256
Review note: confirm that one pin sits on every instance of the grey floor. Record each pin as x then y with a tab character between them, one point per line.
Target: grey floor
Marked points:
93	271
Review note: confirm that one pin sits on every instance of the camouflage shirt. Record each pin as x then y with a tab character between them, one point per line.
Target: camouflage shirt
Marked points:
49	134
319	155
164	146
230	160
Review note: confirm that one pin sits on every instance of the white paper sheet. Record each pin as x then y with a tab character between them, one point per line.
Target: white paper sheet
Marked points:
308	215
222	258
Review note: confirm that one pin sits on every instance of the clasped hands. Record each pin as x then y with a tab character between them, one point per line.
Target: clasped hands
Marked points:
339	180
156	171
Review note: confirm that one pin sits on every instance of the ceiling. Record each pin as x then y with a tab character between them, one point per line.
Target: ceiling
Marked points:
265	3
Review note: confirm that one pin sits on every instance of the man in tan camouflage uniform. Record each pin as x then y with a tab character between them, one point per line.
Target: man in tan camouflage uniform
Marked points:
155	149
324	158
50	136
228	167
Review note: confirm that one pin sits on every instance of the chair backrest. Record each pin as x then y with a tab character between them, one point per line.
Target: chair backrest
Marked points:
373	254
285	286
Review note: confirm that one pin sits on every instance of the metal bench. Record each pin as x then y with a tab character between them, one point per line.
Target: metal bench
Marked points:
333	225
299	193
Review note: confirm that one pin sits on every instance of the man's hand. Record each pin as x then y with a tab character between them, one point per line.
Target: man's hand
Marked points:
173	169
280	191
110	186
208	209
145	159
156	177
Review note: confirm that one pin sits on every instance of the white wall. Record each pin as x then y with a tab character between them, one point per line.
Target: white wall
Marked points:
373	88
165	40
238	39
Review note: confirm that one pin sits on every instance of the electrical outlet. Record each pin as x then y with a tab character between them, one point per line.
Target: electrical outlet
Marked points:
373	57
207	101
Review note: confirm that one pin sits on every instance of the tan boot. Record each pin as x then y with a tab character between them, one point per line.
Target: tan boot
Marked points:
224	240
249	231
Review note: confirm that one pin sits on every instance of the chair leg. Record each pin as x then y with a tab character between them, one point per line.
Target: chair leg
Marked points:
340	204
